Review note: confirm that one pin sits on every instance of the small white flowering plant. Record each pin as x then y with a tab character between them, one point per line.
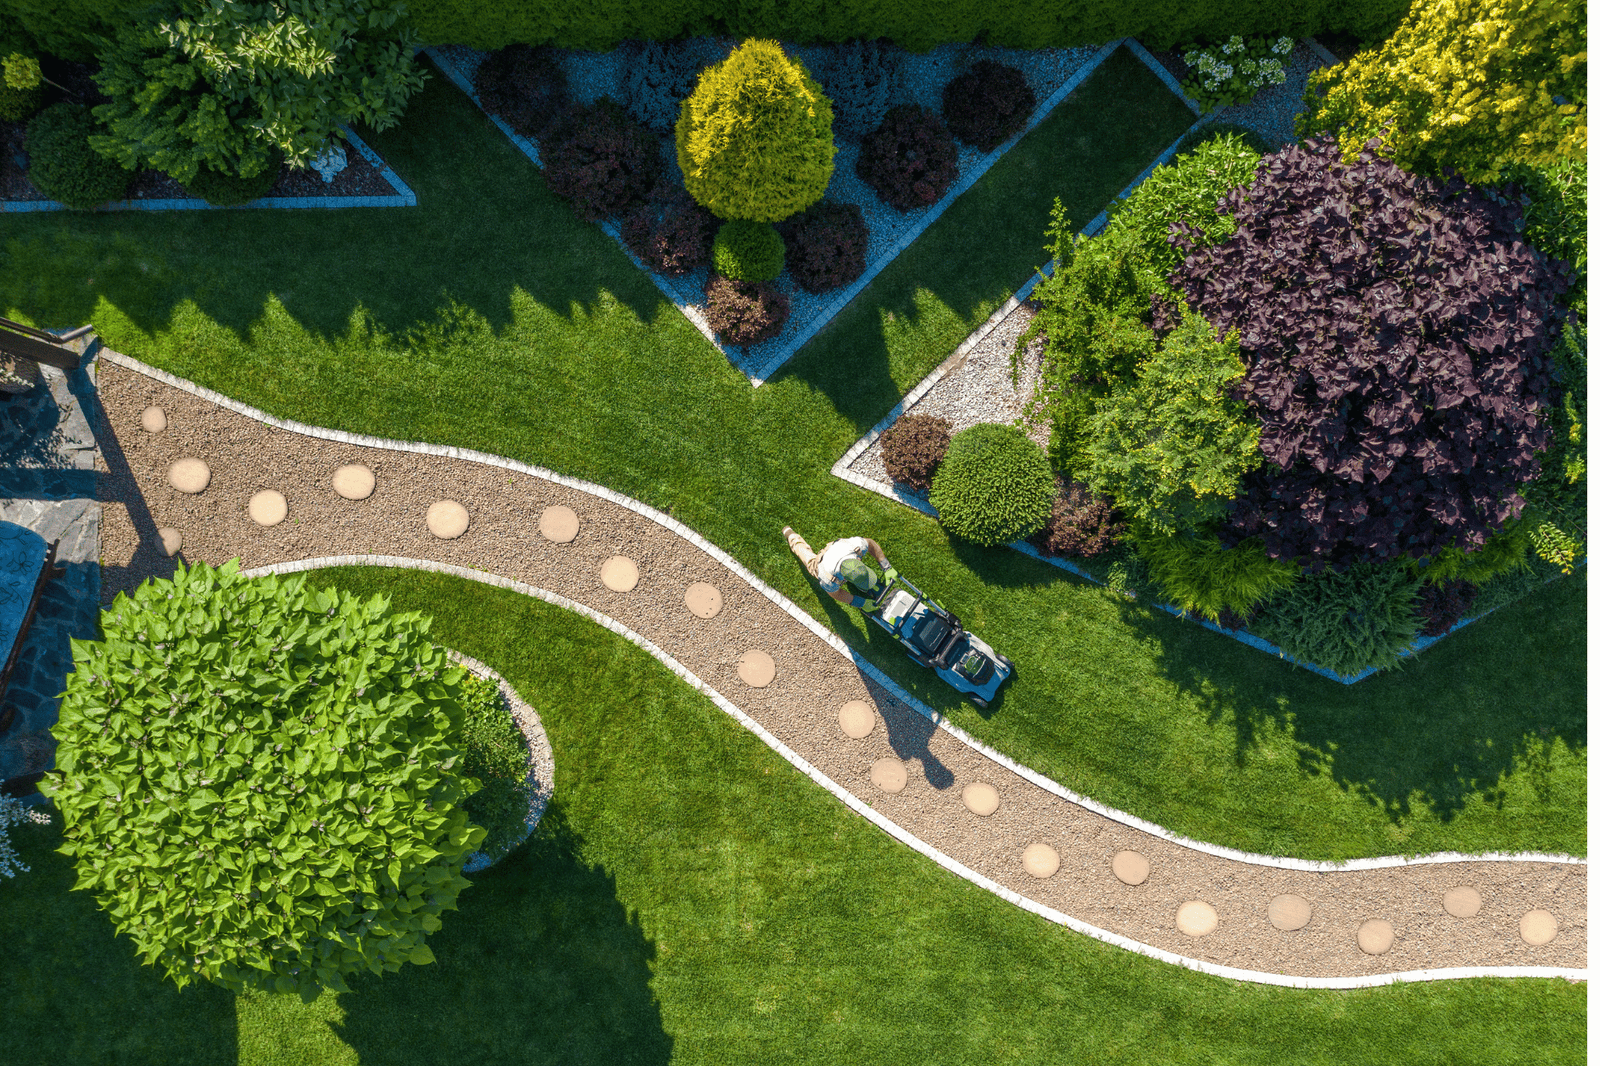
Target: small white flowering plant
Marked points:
14	812
1231	73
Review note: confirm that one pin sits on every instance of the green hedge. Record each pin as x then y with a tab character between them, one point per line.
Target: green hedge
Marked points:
919	25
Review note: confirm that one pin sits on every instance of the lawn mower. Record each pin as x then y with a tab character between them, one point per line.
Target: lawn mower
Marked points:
933	637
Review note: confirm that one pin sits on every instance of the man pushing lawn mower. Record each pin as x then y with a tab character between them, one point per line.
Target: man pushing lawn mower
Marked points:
931	635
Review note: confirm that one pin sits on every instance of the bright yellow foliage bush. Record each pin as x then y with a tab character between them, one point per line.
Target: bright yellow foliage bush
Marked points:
1471	84
755	138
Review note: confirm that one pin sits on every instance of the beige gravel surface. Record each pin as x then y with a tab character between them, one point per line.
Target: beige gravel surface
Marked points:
801	706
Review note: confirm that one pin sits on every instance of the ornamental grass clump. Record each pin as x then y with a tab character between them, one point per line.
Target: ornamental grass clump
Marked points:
1346	620
1233	72
755	138
260	783
994	485
1199	574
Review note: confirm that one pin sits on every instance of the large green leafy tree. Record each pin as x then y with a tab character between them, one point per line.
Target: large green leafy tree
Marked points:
223	83
258	783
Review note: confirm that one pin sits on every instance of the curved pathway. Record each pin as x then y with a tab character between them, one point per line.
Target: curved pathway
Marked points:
796	685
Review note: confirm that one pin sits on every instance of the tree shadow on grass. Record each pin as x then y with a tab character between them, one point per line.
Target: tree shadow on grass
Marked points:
1431	733
541	964
75	992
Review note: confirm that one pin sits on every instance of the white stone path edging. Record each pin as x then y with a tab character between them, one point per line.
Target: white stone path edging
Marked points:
833	640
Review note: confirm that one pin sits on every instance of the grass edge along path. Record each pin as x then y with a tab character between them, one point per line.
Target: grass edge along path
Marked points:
498	322
695	899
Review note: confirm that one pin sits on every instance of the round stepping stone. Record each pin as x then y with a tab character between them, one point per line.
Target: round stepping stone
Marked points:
1197	918
1041	860
154	420
889	774
447	520
1462	902
1130	867
856	719
171	540
757	669
1289	912
189	475
703	600
981	799
354	481
619	574
268	507
1375	936
1537	927
558	524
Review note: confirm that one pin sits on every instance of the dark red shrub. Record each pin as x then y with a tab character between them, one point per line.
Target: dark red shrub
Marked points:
601	161
988	104
910	159
745	312
913	448
825	246
524	86
1442	606
1396	332
670	232
1082	524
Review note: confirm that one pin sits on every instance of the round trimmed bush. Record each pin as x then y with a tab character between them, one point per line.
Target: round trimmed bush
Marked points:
230	190
495	754
63	166
1346	620
601	161
910	159
747	251
669	232
988	104
259	783
744	312
914	447
755	138
994	485
825	246
525	86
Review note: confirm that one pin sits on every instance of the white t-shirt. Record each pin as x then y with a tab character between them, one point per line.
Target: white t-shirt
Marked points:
836	553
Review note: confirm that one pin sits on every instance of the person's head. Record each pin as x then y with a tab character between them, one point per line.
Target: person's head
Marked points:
858	573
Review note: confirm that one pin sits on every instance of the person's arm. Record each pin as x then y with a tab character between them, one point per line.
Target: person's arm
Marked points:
841	595
877	552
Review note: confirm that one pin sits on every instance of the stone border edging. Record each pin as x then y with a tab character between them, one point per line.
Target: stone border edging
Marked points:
405	197
894	829
825	634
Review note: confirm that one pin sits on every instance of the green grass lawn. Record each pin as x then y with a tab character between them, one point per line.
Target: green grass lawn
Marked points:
488	317
692	898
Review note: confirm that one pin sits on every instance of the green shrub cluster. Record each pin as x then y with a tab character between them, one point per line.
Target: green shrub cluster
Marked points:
755	138
63	166
1346	620
747	251
259	783
231	190
495	754
22	87
993	486
1196	573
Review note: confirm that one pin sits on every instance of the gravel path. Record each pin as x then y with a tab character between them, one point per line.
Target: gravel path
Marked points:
801	707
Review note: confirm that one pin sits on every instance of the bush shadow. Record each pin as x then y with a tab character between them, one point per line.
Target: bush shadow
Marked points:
541	963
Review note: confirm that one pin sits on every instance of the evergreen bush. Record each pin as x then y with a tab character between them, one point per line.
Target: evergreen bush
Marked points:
825	246
747	251
669	232
230	190
524	86
755	138
600	161
495	754
994	485
657	76
910	159
63	166
1198	574
1082	524
744	312
858	78
913	448
259	782
1345	620
988	104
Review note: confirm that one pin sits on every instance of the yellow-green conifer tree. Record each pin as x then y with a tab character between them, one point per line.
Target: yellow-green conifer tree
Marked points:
1470	84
